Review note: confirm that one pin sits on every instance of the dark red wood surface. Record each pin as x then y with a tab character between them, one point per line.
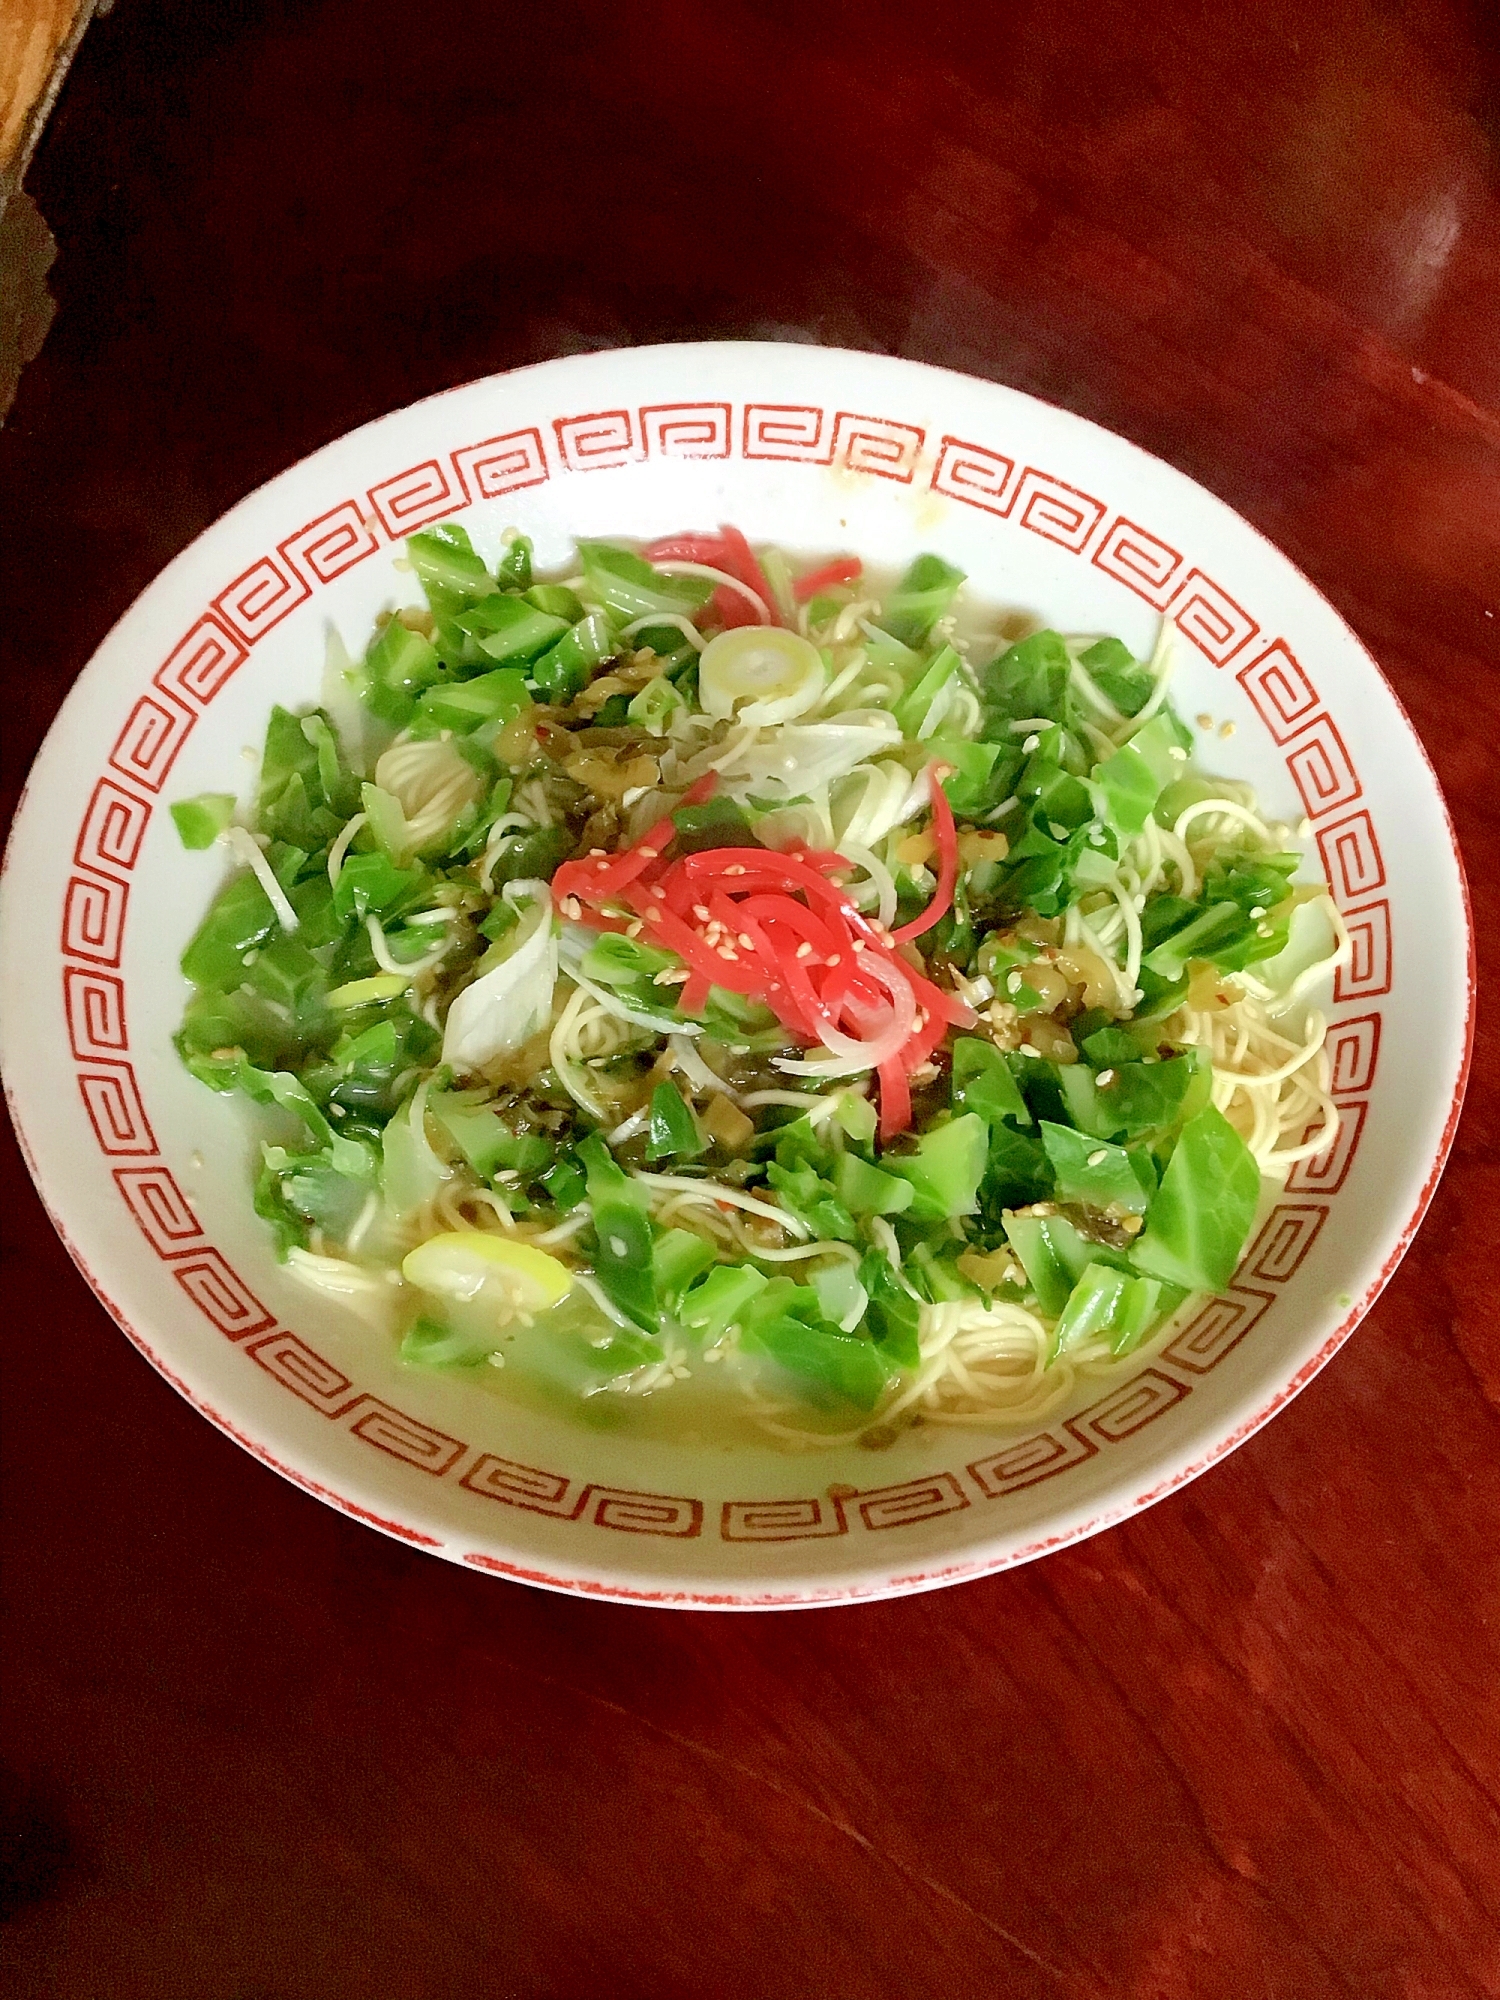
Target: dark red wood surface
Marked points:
1248	1744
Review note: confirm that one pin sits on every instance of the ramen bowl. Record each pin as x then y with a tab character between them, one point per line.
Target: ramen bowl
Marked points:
147	1174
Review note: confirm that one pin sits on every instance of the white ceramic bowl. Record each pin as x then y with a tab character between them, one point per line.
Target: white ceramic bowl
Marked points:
146	1173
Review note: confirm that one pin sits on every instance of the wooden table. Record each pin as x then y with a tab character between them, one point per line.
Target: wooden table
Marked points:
1246	1745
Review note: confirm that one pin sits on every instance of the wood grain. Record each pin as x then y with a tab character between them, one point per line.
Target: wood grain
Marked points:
1247	1744
33	36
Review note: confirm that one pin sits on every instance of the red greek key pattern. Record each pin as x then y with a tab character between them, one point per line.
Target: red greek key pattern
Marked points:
876	444
686	430
974	474
1143	562
1321	769
782	1520
1280	692
1029	1461
1128	1408
159	1206
599	442
1057	512
221	1294
556	1495
1326	1172
1217	1329
300	1368
112	1100
414	498
94	1003
1368	974
912	1501
1353	1049
1204	612
336	541
1352	861
788	431
94	918
1287	1235
644	1513
261	597
502	464
113	829
524	1486
146	748
390	1430
198	666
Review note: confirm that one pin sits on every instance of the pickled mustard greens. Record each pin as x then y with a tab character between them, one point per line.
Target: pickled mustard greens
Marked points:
698	983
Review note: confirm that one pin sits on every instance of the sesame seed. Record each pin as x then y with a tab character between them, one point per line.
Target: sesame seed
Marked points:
1257	911
804	950
832	960
633	929
1013	982
747	943
735	868
653	916
1177	752
1205	721
1226	730
700	911
1030	744
660	895
1098	1157
1105	1078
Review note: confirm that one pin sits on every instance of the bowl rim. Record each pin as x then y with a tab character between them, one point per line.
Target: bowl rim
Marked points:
880	1579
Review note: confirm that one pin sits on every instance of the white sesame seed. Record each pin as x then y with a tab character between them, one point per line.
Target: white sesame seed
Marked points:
1104	1078
1097	1159
1030	744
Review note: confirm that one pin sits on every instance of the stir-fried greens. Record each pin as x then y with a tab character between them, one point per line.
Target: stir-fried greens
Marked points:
696	962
